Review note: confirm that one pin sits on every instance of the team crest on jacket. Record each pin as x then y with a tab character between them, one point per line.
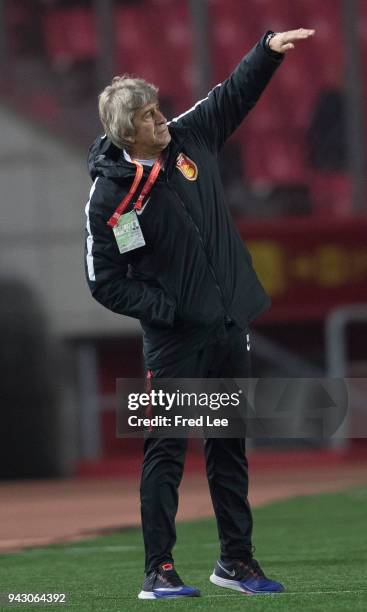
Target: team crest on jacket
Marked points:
188	168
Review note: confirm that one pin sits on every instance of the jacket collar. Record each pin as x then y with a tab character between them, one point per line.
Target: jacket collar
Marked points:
106	159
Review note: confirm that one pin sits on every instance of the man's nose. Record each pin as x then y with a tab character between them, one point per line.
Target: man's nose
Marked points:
160	118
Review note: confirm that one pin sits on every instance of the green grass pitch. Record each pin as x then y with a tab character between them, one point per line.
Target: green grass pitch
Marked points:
316	546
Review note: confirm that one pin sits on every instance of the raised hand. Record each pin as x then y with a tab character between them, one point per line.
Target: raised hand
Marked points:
284	41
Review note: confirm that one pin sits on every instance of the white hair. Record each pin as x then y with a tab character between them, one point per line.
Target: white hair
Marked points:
119	102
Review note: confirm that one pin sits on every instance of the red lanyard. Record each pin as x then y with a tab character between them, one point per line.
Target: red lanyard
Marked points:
112	222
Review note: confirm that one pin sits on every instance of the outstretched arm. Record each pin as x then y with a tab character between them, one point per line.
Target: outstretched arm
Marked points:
215	118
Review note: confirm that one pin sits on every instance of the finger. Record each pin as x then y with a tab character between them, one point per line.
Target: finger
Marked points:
288	47
305	32
299	34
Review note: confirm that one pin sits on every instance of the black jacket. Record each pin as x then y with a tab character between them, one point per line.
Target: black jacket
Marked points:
194	270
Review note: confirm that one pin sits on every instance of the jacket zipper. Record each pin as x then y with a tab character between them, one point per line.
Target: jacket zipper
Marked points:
210	266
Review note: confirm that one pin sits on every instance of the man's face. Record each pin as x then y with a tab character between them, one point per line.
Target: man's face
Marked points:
151	132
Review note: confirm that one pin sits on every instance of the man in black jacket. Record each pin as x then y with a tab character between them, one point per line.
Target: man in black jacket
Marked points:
161	247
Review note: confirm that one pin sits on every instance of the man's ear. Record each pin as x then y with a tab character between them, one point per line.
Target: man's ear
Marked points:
129	139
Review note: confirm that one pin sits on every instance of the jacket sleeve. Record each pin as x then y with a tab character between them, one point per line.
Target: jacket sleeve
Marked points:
107	276
216	117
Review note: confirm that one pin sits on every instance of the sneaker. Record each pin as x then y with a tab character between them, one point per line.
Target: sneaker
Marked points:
164	582
245	577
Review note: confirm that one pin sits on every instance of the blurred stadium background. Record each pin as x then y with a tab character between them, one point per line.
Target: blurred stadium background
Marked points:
295	177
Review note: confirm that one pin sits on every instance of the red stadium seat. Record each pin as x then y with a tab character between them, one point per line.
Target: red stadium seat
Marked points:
277	16
274	158
70	34
230	42
331	194
154	40
156	45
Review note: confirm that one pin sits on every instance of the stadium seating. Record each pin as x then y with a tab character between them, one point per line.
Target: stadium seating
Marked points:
70	35
154	40
331	194
144	34
269	158
274	141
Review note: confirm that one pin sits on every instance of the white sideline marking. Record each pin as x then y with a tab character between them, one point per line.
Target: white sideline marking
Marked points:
76	549
93	549
233	594
119	548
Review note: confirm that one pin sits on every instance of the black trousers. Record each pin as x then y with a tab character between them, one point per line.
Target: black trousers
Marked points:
226	463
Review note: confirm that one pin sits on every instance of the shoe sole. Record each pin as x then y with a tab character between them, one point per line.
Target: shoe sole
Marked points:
146	595
236	586
152	595
228	584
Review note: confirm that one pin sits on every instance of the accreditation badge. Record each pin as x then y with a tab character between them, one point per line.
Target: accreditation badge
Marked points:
128	233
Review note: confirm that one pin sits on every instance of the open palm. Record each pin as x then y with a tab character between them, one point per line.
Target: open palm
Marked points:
285	41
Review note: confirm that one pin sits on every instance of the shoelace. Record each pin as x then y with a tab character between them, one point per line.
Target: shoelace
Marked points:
252	567
170	577
255	569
